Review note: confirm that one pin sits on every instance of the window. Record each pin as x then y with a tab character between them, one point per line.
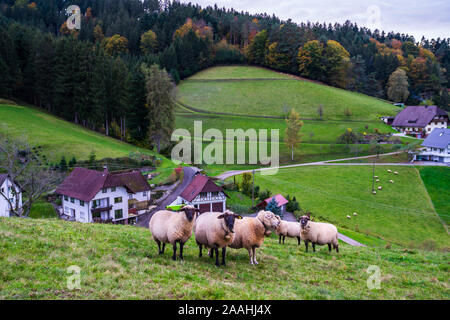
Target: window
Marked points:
72	200
104	190
66	209
203	194
144	193
82	203
113	189
118	200
95	203
118	214
96	215
215	194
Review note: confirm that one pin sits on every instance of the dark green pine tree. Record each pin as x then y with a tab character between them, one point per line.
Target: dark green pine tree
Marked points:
273	207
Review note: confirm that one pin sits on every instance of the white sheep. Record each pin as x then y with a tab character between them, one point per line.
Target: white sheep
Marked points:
172	227
395	172
391	181
374	192
378	180
389	170
288	229
348	217
355	214
379	188
318	233
215	230
250	232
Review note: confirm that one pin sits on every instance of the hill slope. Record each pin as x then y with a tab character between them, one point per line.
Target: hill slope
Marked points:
121	262
245	95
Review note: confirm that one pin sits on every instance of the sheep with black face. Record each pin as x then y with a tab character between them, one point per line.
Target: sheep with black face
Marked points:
318	233
215	230
173	227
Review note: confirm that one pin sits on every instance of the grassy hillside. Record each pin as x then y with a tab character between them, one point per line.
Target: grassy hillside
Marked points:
437	182
272	97
401	213
59	138
238	72
121	262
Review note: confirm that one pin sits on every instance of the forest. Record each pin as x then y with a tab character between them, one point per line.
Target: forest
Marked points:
95	77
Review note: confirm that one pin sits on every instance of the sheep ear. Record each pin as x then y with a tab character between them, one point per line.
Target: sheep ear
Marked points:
308	215
221	216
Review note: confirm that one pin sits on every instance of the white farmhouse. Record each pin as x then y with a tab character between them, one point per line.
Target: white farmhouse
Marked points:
436	147
94	196
9	190
203	194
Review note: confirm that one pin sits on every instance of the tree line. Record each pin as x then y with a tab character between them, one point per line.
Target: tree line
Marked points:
94	76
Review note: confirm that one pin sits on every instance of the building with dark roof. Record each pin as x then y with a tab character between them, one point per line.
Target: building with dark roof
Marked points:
9	190
419	121
95	196
436	147
204	194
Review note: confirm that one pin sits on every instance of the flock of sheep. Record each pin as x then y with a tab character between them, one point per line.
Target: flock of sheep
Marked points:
214	231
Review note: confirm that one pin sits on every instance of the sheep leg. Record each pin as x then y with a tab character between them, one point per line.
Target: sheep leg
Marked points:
306	245
314	246
159	246
181	250
211	253
163	248
254	255
223	255
284	238
251	255
216	249
174	256
200	247
329	247
337	248
298	239
279	240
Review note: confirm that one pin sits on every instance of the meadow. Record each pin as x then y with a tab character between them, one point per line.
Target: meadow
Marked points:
401	213
121	262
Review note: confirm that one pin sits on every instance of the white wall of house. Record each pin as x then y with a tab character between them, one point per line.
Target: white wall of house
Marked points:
104	198
435	154
6	189
436	123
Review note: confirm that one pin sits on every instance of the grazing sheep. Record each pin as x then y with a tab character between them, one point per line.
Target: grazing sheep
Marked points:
391	181
379	188
395	172
378	180
318	233
375	177
348	217
215	230
250	232
355	214
389	170
374	192
172	227
288	229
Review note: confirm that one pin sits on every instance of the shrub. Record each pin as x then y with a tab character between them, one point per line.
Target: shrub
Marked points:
263	195
273	207
239	208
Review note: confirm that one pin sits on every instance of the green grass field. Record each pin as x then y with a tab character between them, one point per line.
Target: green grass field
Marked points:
238	72
275	97
59	138
401	213
121	262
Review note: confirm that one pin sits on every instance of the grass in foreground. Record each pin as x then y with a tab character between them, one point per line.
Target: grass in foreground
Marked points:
401	213
121	262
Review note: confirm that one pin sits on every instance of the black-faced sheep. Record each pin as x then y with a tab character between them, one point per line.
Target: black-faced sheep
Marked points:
318	233
173	227
250	232
215	230
288	229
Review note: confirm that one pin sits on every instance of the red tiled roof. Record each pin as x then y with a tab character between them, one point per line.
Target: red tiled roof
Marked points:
84	184
417	116
278	198
200	183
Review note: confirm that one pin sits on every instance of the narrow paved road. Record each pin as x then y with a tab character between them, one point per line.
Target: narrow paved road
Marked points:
189	173
229	174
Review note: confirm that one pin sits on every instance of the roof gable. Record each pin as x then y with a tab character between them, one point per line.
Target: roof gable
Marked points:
134	181
278	198
200	184
3	178
438	138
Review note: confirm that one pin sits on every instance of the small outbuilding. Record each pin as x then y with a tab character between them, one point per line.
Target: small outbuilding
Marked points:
281	201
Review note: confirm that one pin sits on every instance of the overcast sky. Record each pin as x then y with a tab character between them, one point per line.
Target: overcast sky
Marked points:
430	18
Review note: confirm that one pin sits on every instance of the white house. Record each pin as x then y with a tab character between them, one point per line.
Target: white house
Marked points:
94	196
436	147
12	192
420	121
203	194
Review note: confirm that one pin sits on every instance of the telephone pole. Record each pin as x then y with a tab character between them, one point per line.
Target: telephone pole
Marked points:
253	189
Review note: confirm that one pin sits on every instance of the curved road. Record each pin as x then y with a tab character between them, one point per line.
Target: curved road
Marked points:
189	174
